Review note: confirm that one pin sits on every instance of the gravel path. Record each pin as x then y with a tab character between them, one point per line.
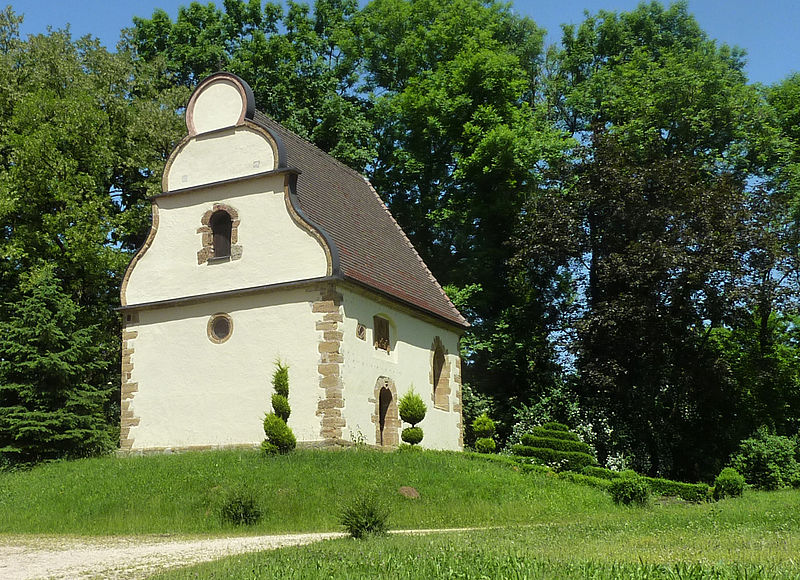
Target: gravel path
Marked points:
70	558
27	558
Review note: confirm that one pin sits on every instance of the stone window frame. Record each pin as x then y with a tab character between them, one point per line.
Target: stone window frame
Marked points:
382	340
205	255
210	327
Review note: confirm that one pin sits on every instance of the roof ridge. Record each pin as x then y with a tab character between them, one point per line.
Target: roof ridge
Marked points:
431	277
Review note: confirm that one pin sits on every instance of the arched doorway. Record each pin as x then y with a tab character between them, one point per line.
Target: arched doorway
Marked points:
386	416
384	400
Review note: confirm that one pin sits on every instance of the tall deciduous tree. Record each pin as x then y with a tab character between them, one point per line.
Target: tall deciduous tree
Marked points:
294	60
661	216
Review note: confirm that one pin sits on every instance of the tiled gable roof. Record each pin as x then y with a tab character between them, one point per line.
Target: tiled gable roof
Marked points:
373	250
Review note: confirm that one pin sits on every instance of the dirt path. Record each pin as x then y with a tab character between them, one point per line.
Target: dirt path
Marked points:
68	558
27	558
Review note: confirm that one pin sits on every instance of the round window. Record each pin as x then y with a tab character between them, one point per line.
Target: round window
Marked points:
220	328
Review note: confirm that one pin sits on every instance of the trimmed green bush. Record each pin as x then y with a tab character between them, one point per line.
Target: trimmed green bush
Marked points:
483	426
695	492
240	507
280	438
729	483
559	460
280	379
366	516
557	444
280	406
597	482
412	408
600	472
552	434
767	461
555	426
485	445
629	490
412	435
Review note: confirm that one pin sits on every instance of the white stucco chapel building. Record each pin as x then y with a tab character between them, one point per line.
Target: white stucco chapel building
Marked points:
265	248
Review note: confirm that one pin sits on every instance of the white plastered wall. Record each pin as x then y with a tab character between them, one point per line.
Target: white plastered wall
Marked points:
194	392
408	364
275	248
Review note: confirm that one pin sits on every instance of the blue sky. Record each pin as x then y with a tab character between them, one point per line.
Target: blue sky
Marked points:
769	30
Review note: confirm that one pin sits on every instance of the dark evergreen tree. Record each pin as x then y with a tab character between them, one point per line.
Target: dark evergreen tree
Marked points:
52	401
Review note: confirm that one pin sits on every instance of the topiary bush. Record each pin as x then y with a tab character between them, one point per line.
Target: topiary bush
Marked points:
553	445
240	507
412	435
365	516
280	406
484	429
485	445
629	490
729	483
279	436
412	410
767	461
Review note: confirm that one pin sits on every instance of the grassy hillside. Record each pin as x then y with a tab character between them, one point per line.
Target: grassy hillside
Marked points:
298	492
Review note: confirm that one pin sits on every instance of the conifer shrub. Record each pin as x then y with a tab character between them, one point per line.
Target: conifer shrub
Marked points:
365	516
279	436
280	406
629	490
484	429
729	483
412	410
412	435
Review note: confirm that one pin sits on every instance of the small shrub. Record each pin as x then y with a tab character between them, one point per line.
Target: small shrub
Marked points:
280	405
629	490
485	445
280	379
365	516
240	508
280	438
729	483
412	408
412	435
767	461
483	426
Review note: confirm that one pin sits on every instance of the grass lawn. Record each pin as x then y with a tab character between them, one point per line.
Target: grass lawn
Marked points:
542	526
299	492
651	547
